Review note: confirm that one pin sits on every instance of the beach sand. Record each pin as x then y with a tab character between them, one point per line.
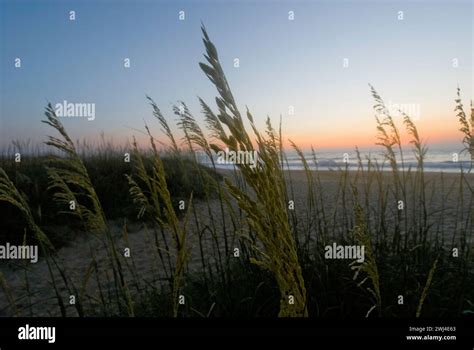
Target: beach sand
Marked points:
30	285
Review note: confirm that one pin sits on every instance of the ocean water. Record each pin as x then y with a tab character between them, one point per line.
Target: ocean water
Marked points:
449	160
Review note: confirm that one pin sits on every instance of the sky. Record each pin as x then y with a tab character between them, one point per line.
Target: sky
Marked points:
317	65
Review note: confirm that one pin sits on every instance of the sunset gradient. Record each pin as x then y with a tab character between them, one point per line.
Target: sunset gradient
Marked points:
283	64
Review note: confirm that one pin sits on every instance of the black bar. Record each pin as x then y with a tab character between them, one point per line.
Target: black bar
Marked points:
88	331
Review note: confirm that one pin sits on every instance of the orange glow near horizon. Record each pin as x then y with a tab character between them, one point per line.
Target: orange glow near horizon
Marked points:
329	142
432	132
434	128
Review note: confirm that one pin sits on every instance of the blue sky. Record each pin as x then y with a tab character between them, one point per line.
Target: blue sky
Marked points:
282	63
